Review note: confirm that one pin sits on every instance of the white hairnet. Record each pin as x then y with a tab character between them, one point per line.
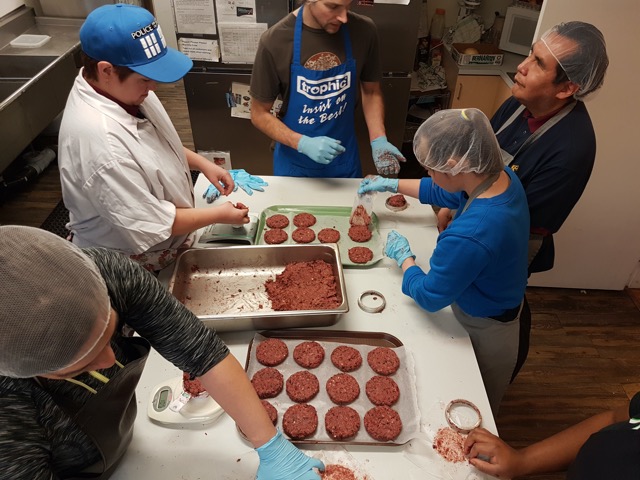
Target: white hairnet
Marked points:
55	304
581	52
458	141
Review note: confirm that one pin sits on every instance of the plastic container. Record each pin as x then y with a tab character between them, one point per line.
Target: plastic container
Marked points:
29	41
436	33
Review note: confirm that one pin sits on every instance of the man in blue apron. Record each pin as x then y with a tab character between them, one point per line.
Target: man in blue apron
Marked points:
310	60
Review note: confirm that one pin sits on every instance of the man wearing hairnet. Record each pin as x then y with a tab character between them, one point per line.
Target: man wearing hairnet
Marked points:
547	137
63	313
479	265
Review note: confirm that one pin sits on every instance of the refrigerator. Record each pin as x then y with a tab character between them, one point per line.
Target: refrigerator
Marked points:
208	85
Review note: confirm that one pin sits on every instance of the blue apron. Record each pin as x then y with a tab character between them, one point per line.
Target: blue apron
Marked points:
321	103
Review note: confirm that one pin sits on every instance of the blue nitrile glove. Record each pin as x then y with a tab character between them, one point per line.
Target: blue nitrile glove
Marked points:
320	149
397	248
386	156
378	184
280	459
211	193
247	182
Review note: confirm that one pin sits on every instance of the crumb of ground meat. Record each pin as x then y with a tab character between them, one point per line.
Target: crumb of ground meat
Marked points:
450	445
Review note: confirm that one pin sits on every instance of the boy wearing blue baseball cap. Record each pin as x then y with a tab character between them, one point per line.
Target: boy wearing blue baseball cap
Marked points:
125	174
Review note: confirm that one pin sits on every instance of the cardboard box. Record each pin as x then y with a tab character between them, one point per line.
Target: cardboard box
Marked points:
487	54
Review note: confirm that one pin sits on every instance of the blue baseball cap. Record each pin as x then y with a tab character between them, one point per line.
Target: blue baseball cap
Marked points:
129	36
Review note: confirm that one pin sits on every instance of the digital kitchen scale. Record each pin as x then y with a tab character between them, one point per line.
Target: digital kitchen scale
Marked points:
244	234
196	411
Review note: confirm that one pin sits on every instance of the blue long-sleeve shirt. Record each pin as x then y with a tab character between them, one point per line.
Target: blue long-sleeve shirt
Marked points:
480	260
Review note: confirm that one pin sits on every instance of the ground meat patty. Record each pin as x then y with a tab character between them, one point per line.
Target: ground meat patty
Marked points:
303	235
337	472
346	358
302	386
300	421
450	445
267	382
342	388
271	352
383	361
275	236
271	411
277	221
308	354
304	220
397	201
360	254
360	216
359	233
193	387
328	235
382	391
342	422
383	423
304	286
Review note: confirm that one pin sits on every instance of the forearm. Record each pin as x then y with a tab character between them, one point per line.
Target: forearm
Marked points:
373	109
195	160
188	220
410	187
229	385
273	127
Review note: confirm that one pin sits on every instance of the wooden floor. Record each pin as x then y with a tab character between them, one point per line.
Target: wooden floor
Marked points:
584	354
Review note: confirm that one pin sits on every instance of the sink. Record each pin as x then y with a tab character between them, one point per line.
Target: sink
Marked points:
23	66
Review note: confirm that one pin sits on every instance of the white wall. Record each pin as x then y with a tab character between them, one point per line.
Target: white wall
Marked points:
599	244
163	12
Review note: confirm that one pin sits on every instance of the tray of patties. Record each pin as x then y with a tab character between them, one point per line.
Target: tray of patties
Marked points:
336	387
355	232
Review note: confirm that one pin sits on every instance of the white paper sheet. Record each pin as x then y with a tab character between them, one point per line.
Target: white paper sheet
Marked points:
236	11
239	41
221	158
201	49
194	16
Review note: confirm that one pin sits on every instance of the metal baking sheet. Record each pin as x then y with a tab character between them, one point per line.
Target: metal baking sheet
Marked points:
407	405
224	286
326	217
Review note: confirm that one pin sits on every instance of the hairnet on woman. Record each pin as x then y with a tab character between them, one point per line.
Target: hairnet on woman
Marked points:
62	318
479	265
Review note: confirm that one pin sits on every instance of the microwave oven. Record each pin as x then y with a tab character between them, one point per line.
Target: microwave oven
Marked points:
519	27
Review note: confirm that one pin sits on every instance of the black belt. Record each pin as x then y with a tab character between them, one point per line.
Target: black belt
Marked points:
508	315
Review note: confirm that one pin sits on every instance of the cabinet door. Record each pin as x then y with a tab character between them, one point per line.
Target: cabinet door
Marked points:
476	91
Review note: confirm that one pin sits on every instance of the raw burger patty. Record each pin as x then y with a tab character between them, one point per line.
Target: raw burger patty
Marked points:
359	233
342	422
275	236
267	382
382	390
277	221
193	387
303	235
337	472
272	352
308	354
342	388
346	358
302	386
397	200
383	423
328	235
383	361
300	421
304	220
271	411
360	254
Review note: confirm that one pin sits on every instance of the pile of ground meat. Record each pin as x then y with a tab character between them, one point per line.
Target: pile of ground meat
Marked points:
304	286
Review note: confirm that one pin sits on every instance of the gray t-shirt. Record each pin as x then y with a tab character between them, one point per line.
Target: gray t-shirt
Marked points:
320	50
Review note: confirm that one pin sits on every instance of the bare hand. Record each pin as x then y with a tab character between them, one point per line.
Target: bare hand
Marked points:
220	178
497	458
233	214
444	217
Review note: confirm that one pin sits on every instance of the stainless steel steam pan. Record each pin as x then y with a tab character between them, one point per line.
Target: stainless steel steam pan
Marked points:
224	286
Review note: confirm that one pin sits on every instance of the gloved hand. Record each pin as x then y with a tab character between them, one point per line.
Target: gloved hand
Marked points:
320	149
378	184
397	248
247	182
211	193
280	459
386	156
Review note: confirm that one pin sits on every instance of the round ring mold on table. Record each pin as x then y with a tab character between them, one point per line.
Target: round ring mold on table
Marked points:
462	415
395	209
381	302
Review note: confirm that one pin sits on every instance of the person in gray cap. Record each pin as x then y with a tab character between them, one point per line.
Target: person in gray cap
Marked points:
68	373
124	172
479	265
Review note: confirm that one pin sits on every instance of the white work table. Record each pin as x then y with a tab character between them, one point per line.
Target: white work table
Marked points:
445	364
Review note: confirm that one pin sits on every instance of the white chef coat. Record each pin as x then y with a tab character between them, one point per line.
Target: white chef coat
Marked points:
122	177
